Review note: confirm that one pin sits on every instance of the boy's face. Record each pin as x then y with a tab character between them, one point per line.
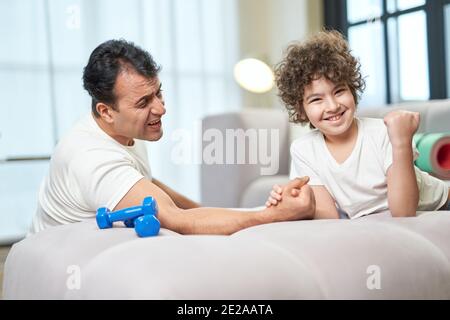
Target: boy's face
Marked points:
330	107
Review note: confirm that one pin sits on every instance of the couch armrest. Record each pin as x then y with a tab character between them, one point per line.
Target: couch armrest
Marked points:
223	184
258	190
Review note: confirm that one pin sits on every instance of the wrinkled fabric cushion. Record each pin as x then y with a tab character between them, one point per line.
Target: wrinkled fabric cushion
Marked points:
323	259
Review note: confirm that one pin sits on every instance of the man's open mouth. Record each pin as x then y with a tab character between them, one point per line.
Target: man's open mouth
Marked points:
154	122
336	117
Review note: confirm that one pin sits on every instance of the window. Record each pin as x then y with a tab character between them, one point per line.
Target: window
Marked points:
371	55
46	44
447	47
402	45
408	57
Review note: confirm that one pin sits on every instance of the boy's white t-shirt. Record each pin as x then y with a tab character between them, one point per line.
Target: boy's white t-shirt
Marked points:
88	170
359	184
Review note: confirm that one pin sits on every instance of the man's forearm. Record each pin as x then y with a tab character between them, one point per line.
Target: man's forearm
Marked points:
214	220
184	202
228	221
403	193
219	220
180	200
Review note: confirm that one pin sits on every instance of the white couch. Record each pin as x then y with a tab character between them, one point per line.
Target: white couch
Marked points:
376	257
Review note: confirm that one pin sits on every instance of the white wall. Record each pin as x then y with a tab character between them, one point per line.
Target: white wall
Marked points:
267	27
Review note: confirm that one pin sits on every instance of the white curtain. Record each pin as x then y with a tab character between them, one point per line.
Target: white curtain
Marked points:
45	45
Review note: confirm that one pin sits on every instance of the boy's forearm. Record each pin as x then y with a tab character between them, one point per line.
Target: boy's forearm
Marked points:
403	193
326	213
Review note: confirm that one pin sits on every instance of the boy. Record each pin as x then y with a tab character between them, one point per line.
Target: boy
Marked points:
362	166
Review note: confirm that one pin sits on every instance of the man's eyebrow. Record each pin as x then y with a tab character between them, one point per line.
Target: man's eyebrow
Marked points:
148	95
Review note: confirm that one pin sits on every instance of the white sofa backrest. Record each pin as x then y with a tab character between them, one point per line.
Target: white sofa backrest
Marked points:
222	184
434	114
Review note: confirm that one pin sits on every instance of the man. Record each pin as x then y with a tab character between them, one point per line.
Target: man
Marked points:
102	161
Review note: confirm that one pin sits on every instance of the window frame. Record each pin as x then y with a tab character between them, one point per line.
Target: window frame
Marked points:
335	16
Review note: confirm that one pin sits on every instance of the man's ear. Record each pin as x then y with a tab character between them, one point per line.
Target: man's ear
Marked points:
104	111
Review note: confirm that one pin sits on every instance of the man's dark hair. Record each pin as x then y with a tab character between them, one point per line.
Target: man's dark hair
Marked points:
105	64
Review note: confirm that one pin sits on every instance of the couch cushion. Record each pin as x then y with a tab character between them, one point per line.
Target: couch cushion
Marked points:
324	259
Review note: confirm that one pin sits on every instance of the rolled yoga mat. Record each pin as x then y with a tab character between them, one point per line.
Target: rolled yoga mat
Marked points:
434	149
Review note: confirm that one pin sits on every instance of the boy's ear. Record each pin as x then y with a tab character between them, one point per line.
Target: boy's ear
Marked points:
301	116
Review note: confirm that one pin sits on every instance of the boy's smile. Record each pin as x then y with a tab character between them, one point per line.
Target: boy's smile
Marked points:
330	108
335	118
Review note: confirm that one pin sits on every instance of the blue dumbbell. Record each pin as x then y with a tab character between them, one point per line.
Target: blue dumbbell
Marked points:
105	217
147	226
148	202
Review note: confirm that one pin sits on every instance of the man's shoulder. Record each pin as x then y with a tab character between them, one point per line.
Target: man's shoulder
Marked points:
84	139
80	129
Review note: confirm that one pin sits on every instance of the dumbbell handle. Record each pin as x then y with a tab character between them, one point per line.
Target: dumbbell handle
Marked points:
105	218
125	214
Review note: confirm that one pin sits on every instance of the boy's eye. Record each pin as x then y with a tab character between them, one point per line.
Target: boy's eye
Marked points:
314	100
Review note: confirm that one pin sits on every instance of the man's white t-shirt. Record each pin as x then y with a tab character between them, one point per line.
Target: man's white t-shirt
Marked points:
359	184
88	170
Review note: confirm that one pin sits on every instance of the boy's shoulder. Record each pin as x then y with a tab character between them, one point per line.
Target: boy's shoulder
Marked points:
372	122
374	133
305	140
374	127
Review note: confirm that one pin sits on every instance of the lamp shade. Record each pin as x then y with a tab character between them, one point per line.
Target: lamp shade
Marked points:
254	75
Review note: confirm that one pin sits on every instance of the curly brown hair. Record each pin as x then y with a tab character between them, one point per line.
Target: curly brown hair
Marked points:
326	54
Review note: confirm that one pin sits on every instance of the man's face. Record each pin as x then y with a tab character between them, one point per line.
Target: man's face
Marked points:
139	108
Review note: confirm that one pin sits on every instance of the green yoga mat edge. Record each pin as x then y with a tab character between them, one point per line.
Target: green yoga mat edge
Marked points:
424	143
